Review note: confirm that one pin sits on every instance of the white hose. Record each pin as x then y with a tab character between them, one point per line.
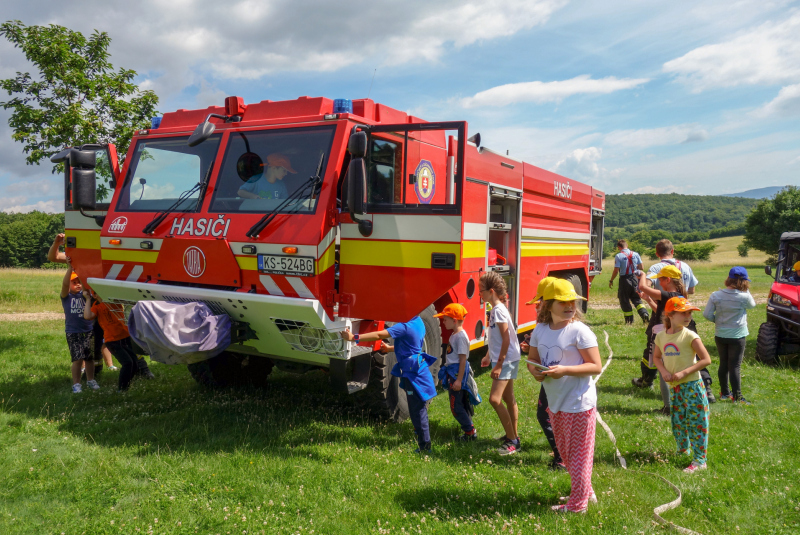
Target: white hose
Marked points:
661	508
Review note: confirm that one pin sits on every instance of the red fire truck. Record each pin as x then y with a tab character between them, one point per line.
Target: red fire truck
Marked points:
301	218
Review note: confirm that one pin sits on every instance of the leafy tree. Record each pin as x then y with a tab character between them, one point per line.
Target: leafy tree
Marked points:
77	97
26	238
771	218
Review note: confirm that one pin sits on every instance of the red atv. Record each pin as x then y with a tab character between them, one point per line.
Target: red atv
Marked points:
780	334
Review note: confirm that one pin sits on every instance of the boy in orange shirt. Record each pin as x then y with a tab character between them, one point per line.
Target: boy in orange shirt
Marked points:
117	338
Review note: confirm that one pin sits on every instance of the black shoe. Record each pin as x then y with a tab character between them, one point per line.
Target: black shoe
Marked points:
710	395
641	383
557	466
146	374
423	448
740	399
645	318
663	410
467	437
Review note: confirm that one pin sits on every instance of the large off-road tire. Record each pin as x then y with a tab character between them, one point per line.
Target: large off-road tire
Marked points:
767	343
231	369
576	281
383	396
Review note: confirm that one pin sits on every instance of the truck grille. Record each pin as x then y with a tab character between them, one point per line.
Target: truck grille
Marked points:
215	306
304	337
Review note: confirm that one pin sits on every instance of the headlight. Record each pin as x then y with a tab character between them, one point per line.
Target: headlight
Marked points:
779	300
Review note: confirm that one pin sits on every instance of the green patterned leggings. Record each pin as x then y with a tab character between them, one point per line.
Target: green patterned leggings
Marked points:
690	418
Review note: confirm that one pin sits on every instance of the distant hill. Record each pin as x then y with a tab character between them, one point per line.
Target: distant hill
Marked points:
759	193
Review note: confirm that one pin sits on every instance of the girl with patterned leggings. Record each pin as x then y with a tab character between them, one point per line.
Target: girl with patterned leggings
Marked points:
568	348
674	356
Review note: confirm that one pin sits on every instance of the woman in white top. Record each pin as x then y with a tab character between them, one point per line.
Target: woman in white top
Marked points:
568	348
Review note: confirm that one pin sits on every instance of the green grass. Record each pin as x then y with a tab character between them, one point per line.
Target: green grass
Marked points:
30	290
295	458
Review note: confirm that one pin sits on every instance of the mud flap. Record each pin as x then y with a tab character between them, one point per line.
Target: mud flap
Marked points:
351	375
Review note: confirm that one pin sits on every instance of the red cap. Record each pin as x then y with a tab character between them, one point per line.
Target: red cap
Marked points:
276	159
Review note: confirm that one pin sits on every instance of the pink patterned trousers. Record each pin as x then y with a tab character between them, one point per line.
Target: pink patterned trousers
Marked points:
575	441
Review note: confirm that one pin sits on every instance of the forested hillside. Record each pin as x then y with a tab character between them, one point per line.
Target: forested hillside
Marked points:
25	238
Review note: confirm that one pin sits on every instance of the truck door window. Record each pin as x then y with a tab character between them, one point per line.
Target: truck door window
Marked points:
161	170
261	168
385	185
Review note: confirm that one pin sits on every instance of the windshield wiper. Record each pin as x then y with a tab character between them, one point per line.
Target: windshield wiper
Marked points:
312	182
161	216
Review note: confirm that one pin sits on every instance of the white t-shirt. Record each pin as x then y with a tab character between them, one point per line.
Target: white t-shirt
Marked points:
568	394
458	345
499	314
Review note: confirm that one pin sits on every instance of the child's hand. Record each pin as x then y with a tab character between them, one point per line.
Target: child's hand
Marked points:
385	348
677	376
87	295
668	377
555	372
496	371
59	238
524	347
456	386
347	335
485	361
537	374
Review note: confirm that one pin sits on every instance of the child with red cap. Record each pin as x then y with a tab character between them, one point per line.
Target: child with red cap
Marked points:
456	373
674	356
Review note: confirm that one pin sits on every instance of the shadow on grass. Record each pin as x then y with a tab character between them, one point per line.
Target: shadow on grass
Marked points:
462	501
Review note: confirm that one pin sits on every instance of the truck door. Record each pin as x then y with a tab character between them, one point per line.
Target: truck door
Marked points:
412	255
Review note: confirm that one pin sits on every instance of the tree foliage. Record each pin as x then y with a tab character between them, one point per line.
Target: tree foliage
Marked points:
771	218
76	97
26	238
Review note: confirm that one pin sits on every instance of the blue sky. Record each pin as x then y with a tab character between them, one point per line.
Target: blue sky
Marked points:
630	96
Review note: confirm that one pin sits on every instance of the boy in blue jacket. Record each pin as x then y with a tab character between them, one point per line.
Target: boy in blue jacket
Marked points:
412	369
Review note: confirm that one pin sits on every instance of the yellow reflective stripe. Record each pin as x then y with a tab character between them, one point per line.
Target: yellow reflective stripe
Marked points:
247	262
395	253
125	255
327	259
85	239
476	345
474	249
554	249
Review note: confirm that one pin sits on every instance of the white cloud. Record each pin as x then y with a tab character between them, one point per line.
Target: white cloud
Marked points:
652	137
540	92
581	164
769	54
653	189
786	104
51	206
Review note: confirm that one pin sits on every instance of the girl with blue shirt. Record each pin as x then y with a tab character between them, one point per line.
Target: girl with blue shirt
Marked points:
727	308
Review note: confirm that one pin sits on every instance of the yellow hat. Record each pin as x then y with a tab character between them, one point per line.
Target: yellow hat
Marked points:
669	271
561	290
540	289
796	266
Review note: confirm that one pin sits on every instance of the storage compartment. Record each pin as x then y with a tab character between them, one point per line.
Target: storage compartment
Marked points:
503	245
596	242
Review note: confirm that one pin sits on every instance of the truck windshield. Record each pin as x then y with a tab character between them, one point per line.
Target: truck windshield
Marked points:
261	168
161	170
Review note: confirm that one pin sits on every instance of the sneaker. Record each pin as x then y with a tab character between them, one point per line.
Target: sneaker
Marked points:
508	448
502	439
710	396
517	443
694	467
740	399
93	385
725	397
563	509
557	466
662	410
638	382
423	448
466	437
113	368
146	374
76	388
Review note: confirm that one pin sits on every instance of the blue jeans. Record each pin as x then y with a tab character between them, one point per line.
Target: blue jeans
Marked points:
458	406
418	411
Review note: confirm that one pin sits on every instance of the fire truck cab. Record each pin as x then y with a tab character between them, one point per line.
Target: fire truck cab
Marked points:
301	218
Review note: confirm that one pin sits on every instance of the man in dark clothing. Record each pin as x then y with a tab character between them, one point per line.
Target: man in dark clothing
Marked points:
625	264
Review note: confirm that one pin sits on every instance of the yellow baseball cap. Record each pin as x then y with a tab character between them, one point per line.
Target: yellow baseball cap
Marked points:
561	290
453	310
669	271
796	266
540	289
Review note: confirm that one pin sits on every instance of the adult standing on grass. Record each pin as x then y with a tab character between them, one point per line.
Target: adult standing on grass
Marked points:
80	339
413	369
665	251
625	264
727	308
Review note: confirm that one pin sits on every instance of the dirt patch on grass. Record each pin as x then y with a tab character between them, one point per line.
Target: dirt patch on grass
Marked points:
35	316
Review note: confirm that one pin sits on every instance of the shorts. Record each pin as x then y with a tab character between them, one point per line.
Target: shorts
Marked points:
508	371
81	346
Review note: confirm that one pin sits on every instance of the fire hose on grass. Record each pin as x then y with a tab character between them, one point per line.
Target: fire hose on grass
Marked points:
661	508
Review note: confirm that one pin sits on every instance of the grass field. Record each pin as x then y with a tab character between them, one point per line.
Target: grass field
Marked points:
30	290
171	457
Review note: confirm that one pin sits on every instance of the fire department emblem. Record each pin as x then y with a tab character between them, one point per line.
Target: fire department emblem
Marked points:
425	186
118	225
194	261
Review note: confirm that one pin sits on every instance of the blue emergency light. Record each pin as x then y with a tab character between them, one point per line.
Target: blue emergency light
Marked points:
342	105
155	122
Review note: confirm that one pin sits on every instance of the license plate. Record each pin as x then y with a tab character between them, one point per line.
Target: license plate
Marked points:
301	266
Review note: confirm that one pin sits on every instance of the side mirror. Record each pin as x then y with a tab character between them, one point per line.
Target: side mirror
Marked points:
201	133
768	270
84	180
357	145
357	194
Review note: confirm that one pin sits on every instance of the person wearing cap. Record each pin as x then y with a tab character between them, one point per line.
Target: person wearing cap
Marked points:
80	339
568	348
541	407
674	355
456	373
413	369
625	264
727	309
665	252
269	184
795	276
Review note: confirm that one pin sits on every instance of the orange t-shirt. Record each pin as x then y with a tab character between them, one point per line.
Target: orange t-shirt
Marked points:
113	329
